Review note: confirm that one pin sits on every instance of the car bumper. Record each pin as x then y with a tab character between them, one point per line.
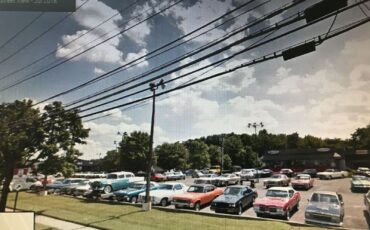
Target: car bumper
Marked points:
314	221
277	213
302	186
107	196
225	209
359	189
183	205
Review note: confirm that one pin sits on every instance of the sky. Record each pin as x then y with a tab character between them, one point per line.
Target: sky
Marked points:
324	93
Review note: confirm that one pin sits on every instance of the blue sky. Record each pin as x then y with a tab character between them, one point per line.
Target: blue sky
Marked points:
324	93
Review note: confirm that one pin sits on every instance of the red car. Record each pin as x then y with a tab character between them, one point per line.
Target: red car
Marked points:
197	196
279	201
158	177
302	181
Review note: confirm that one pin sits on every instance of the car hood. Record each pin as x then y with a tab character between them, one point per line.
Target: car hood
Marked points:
276	201
323	208
326	173
160	193
128	191
274	179
227	199
83	187
361	182
189	195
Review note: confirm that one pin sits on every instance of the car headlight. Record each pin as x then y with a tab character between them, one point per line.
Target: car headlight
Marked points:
307	215
279	209
256	208
231	205
335	218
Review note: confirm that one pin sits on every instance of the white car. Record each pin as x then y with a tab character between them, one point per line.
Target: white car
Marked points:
247	174
21	183
332	173
163	196
227	179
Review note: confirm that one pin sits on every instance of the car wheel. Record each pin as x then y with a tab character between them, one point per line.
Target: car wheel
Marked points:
240	209
330	177
107	189
197	206
252	202
226	183
164	202
134	199
259	215
296	207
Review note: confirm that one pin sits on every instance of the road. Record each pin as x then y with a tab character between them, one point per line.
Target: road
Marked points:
355	216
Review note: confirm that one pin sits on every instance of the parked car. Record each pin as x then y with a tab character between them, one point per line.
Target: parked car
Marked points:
197	174
247	174
302	181
158	177
279	201
206	180
170	176
276	180
69	189
58	185
215	169
114	181
227	179
363	171
131	193
266	173
367	201
331	174
163	195
287	172
197	196
311	172
360	183
235	199
21	183
325	208
179	176
82	190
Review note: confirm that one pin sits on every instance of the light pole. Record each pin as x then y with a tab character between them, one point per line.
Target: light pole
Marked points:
222	138
147	204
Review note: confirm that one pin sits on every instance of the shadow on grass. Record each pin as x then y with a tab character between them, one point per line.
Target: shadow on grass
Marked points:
91	224
367	217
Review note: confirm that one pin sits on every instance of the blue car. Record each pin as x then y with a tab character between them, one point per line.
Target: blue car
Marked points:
131	193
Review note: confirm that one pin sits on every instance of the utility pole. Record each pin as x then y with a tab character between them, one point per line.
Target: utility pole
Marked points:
147	204
255	125
222	139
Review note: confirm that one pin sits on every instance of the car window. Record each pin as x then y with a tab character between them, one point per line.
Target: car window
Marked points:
276	193
232	191
197	189
178	187
291	193
210	189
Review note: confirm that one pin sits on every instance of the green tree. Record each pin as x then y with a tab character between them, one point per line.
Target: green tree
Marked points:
134	150
309	141
233	146
292	141
111	161
28	137
214	154
172	156
198	154
360	139
227	162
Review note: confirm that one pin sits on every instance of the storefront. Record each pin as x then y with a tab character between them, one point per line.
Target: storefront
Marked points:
300	159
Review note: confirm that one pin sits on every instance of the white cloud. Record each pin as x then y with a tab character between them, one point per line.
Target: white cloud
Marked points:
98	71
132	56
117	114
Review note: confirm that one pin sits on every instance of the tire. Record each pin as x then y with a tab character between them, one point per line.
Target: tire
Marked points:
164	202
296	207
133	199
259	215
197	206
240	210
107	189
252	202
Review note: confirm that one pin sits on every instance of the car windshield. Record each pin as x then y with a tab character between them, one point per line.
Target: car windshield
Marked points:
136	186
360	178
83	182
277	193
232	191
166	187
225	175
276	176
197	189
327	198
64	182
112	176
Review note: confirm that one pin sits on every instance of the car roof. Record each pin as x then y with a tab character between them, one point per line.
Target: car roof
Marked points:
326	192
281	188
304	174
202	185
172	183
238	186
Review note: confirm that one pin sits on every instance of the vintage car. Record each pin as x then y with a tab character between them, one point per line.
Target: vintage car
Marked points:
69	189
360	183
287	172
332	173
227	179
82	190
266	173
114	181
276	180
365	171
59	184
279	201
170	176
21	183
157	177
205	180
311	172
247	174
235	199
302	181
131	193
179	176
325	208
197	196
367	201
163	195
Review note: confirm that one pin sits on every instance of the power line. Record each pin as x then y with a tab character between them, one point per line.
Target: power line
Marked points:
207	46
68	43
90	48
128	65
270	56
42	34
21	30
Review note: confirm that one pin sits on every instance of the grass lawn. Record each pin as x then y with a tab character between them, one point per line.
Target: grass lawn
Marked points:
118	216
44	227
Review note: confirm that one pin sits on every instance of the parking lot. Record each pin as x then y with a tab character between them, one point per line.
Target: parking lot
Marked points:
355	216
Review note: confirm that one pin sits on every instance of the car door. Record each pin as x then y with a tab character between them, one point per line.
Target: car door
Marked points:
246	197
209	194
367	201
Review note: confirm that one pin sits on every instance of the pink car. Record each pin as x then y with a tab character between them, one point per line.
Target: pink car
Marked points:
279	201
302	181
